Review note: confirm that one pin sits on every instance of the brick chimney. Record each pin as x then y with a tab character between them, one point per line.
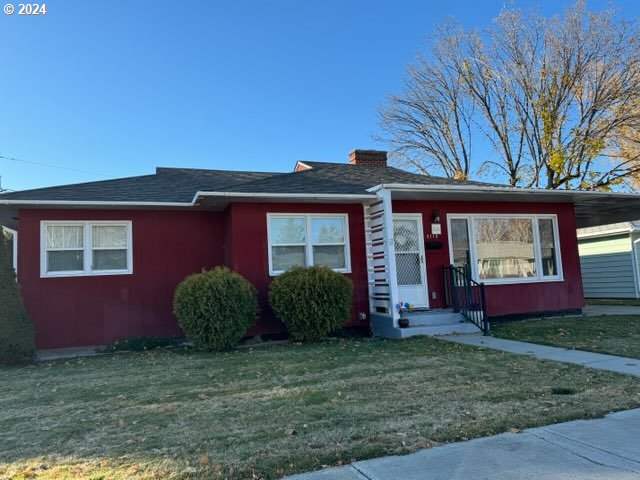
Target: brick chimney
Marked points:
371	158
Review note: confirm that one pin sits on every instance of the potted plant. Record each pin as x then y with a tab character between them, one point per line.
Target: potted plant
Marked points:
403	308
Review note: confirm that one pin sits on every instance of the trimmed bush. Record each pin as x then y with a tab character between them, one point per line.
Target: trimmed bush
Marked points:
141	344
16	331
311	301
215	308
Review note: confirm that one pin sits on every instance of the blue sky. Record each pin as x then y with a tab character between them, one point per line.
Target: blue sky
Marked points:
120	87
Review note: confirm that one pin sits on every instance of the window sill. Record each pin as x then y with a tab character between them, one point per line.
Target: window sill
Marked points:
339	270
85	274
516	281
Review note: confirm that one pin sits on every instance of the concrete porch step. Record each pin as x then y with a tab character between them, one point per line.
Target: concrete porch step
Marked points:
434	317
438	330
432	323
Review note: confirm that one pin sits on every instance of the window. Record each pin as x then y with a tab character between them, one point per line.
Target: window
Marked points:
506	248
307	240
460	247
85	248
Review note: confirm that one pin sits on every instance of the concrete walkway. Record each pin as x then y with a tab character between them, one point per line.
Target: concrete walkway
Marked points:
630	366
49	354
602	449
597	310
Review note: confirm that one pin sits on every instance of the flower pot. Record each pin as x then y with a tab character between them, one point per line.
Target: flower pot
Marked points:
403	322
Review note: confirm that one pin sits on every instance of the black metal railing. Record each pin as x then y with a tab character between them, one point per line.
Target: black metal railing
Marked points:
465	295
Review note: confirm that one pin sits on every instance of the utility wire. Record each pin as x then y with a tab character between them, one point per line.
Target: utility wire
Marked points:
13	159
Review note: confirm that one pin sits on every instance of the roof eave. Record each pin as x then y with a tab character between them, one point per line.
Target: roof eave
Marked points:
196	199
409	187
88	203
287	197
604	233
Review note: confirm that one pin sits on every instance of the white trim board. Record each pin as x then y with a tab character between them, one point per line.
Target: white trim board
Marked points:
196	199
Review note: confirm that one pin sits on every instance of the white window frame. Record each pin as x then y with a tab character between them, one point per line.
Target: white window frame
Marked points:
87	233
14	235
539	278
308	243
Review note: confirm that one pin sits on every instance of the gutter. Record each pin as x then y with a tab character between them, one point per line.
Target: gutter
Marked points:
93	203
407	187
605	233
198	196
307	196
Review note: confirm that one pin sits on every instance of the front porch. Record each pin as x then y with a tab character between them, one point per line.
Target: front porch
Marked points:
397	274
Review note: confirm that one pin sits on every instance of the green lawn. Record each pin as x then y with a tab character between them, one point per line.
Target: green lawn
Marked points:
267	412
634	302
614	334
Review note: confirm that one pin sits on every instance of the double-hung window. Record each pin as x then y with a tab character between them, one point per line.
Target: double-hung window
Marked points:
304	240
86	248
506	248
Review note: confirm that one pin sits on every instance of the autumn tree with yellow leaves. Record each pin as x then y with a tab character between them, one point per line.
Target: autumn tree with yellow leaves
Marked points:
556	98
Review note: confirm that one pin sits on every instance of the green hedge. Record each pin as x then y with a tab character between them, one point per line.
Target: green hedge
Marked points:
311	301
141	344
16	331
215	308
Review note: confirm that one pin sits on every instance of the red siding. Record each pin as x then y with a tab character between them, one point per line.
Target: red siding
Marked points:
249	257
168	245
512	298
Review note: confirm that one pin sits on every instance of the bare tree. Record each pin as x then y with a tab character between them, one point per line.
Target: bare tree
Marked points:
557	98
430	123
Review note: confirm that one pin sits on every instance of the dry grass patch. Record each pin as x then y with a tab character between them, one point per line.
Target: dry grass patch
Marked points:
612	334
268	412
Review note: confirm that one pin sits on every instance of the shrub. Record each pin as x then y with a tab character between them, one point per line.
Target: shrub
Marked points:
215	308
311	301
16	331
140	344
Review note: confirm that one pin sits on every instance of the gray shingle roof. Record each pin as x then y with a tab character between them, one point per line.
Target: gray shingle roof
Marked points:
167	185
173	185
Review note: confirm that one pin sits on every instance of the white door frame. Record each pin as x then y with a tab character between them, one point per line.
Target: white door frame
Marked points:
423	264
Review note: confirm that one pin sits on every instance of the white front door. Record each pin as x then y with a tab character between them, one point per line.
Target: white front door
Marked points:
410	265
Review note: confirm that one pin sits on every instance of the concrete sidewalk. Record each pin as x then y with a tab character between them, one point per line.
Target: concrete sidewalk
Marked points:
49	354
607	448
630	366
598	310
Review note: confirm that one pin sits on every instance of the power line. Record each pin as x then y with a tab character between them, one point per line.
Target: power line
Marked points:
13	159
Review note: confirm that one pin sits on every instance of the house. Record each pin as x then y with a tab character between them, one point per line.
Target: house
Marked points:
99	261
610	260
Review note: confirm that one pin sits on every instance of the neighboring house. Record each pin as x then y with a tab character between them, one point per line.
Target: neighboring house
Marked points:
100	261
610	260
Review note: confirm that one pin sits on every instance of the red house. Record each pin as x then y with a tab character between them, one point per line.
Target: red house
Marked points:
100	261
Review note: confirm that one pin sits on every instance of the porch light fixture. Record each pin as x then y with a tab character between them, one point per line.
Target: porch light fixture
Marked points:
435	216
